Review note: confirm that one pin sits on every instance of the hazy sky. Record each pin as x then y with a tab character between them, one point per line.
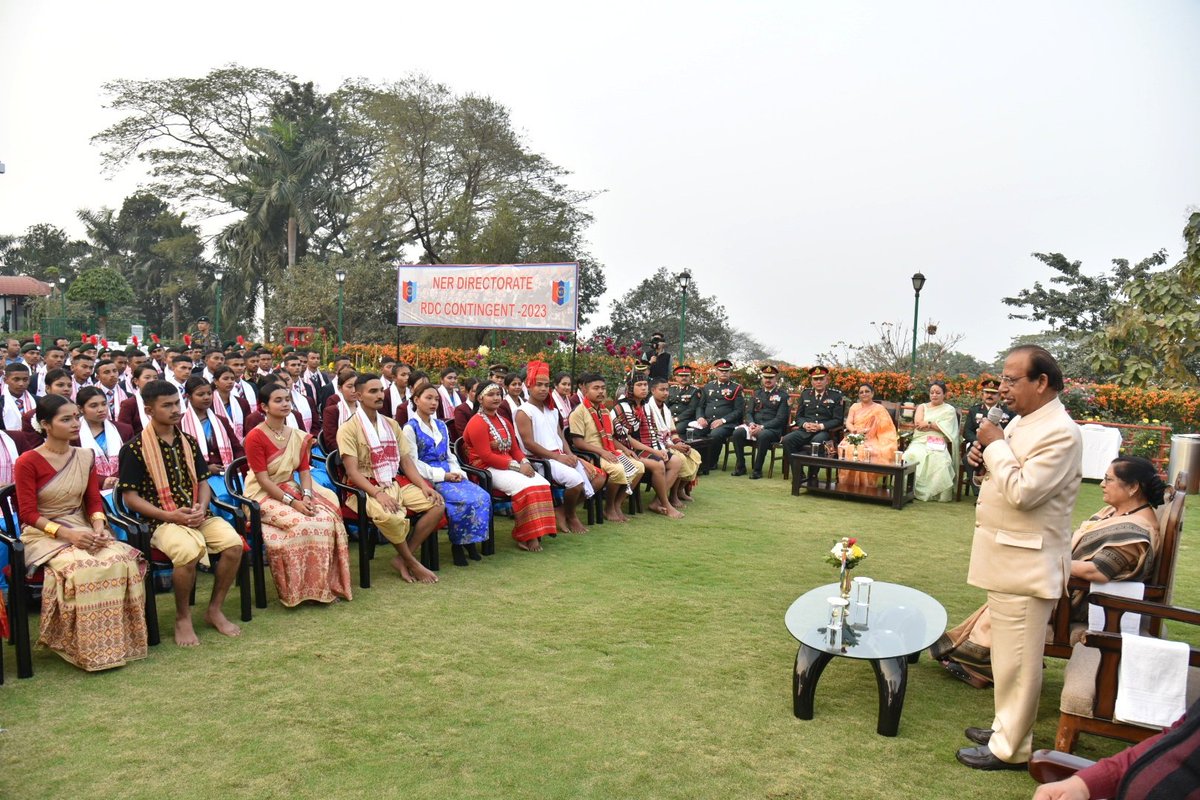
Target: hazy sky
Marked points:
802	158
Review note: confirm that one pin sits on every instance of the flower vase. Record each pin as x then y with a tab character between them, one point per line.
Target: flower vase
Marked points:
845	583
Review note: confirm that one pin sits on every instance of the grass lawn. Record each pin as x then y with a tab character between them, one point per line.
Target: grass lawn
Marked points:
646	660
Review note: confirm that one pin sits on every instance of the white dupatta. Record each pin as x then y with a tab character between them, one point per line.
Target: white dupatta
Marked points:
8	458
449	402
233	415
106	457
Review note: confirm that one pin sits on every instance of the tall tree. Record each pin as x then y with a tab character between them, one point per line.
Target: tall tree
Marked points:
890	350
41	248
653	306
1154	333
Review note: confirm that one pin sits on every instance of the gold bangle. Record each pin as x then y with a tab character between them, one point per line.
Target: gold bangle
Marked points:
51	529
99	515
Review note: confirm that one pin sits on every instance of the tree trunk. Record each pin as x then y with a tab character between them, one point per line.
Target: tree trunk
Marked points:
175	318
291	234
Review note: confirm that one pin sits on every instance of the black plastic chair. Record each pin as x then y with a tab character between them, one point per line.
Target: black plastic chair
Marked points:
251	512
367	532
243	576
18	592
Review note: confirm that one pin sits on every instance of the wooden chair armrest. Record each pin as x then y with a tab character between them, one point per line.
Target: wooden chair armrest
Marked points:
1115	606
1048	766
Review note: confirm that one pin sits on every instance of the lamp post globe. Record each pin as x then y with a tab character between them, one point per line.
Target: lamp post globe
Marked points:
340	276
918	283
684	280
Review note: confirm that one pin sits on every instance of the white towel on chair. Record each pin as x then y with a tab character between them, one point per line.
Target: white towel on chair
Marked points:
1130	623
1152	685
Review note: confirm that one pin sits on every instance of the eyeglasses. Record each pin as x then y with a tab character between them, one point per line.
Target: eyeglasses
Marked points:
1109	479
1007	381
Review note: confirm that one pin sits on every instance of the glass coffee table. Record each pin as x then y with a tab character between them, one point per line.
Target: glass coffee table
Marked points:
890	632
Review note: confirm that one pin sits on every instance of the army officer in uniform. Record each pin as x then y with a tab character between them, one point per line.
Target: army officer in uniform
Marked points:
684	400
766	420
978	413
722	405
819	413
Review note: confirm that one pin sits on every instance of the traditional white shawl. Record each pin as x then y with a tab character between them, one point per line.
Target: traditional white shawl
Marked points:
8	458
385	450
235	416
112	445
449	402
192	424
300	403
12	416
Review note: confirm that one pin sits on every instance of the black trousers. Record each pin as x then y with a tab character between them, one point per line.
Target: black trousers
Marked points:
799	441
762	446
717	437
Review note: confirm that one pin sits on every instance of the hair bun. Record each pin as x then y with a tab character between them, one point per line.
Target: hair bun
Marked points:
1156	490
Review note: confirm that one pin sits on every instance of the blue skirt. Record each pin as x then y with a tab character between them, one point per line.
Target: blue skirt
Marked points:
469	510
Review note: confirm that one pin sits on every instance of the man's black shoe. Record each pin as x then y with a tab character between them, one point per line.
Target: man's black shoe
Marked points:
738	472
983	758
978	735
756	475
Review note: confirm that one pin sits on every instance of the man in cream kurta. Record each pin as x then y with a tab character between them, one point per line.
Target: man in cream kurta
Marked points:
1021	553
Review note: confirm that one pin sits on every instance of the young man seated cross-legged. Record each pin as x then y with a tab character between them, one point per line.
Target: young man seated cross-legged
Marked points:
591	431
378	459
162	476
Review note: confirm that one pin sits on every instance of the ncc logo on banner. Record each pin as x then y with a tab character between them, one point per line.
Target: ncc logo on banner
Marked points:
560	292
409	290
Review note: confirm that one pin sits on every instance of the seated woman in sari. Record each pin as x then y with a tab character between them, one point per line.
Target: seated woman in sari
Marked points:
103	437
492	444
339	409
1117	543
218	444
934	447
93	612
468	507
872	420
302	529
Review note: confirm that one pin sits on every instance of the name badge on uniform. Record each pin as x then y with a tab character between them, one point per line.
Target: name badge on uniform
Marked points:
727	393
774	398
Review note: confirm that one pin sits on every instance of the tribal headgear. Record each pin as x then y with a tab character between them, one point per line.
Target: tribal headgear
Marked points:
534	369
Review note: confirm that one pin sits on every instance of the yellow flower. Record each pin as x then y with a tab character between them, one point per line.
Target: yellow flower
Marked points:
856	552
484	350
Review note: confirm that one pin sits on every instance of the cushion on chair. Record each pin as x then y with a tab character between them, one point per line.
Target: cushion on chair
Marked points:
1079	682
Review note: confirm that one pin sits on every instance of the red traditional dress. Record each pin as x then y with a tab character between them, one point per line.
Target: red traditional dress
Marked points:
492	445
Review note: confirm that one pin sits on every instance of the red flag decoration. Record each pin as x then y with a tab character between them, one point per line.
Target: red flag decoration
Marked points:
37	339
104	342
154	336
135	341
187	339
241	340
95	338
83	337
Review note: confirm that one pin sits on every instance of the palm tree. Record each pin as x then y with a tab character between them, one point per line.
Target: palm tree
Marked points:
284	175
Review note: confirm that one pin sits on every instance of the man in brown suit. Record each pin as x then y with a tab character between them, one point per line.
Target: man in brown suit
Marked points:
1021	553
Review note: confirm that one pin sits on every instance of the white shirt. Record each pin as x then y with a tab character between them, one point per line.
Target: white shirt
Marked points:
428	472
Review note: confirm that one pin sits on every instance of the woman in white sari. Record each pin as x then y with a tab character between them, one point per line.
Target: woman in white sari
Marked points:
934	447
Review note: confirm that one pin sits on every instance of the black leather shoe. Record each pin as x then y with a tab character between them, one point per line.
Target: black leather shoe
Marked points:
756	475
982	758
978	735
738	472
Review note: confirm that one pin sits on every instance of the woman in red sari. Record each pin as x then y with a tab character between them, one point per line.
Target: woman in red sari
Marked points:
302	528
492	445
93	599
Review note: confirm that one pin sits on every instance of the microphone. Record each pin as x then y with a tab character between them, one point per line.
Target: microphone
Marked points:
995	416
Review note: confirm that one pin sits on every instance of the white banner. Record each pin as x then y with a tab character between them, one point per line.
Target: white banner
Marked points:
530	297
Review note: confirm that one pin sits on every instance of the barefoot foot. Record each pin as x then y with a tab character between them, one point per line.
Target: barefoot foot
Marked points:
421	574
218	620
399	565
185	634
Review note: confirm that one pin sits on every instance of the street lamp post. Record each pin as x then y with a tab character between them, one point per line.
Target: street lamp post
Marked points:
62	296
218	274
918	281
684	279
341	282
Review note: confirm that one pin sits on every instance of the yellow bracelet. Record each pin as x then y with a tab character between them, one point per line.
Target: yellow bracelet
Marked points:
99	515
51	529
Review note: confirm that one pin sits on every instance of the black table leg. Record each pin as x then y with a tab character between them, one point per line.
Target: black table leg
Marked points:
891	676
810	663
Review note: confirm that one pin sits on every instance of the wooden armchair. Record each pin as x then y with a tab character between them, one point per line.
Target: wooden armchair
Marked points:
1089	692
1063	634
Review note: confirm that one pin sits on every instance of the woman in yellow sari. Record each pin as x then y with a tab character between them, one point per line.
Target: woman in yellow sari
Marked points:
303	534
1117	543
870	419
93	598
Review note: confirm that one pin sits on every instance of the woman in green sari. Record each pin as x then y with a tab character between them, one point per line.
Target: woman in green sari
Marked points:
934	447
